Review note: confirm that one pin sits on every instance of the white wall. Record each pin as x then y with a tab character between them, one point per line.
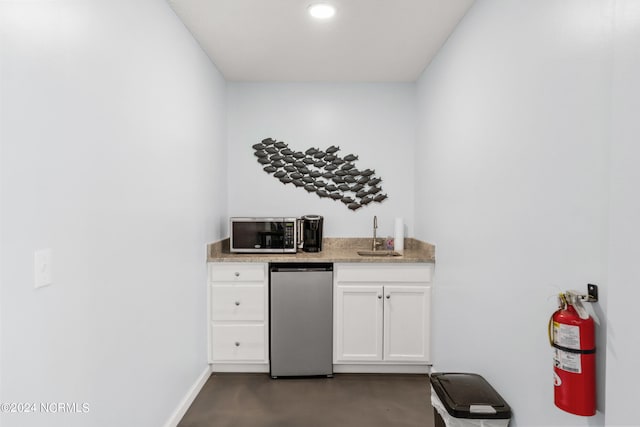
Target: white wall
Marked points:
374	121
113	153
514	126
623	346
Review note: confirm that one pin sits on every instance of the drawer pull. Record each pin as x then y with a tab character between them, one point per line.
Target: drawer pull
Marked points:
237	302
237	274
237	344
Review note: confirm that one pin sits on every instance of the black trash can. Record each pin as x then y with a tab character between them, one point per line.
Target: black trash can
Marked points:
466	400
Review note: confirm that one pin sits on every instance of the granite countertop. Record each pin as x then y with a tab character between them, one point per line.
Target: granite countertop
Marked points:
334	249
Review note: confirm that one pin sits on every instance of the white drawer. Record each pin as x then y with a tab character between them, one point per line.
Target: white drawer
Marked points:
237	272
238	343
237	302
380	273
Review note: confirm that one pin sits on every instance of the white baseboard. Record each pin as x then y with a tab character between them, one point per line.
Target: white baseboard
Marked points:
188	399
380	369
238	367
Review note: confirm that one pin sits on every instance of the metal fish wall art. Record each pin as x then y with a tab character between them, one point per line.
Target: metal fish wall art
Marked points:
342	182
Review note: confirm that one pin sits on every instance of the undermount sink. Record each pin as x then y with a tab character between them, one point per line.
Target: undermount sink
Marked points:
379	253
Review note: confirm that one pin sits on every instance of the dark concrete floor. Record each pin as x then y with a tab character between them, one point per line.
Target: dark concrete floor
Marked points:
347	400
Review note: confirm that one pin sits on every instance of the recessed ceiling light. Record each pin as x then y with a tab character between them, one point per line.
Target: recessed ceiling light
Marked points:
322	10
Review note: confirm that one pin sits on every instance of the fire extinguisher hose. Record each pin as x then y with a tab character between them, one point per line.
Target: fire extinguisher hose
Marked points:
562	304
573	350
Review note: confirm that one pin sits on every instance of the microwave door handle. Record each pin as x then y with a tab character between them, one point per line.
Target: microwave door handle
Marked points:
299	239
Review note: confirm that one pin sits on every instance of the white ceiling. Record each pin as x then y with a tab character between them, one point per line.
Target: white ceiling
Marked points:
276	40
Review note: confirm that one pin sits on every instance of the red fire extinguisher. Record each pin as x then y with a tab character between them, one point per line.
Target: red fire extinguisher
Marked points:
572	334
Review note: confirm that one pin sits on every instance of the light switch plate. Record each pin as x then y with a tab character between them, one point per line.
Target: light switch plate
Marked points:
42	262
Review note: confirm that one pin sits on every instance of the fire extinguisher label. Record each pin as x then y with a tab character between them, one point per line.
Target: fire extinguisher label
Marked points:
570	362
567	336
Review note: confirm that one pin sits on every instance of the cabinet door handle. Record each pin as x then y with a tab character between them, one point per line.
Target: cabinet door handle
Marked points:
237	274
237	344
237	302
379	296
388	296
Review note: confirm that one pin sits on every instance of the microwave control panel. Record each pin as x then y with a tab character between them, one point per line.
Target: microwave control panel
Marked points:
289	234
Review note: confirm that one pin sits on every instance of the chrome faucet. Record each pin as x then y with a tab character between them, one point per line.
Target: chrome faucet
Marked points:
374	242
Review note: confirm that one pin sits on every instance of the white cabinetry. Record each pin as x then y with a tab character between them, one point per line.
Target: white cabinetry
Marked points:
382	314
238	317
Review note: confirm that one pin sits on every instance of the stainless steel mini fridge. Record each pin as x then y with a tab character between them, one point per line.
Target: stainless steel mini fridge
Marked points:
301	319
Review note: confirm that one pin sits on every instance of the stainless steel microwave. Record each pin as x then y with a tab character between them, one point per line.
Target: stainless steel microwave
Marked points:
265	235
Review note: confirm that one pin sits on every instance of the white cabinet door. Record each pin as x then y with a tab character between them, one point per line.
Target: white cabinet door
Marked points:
406	323
359	323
